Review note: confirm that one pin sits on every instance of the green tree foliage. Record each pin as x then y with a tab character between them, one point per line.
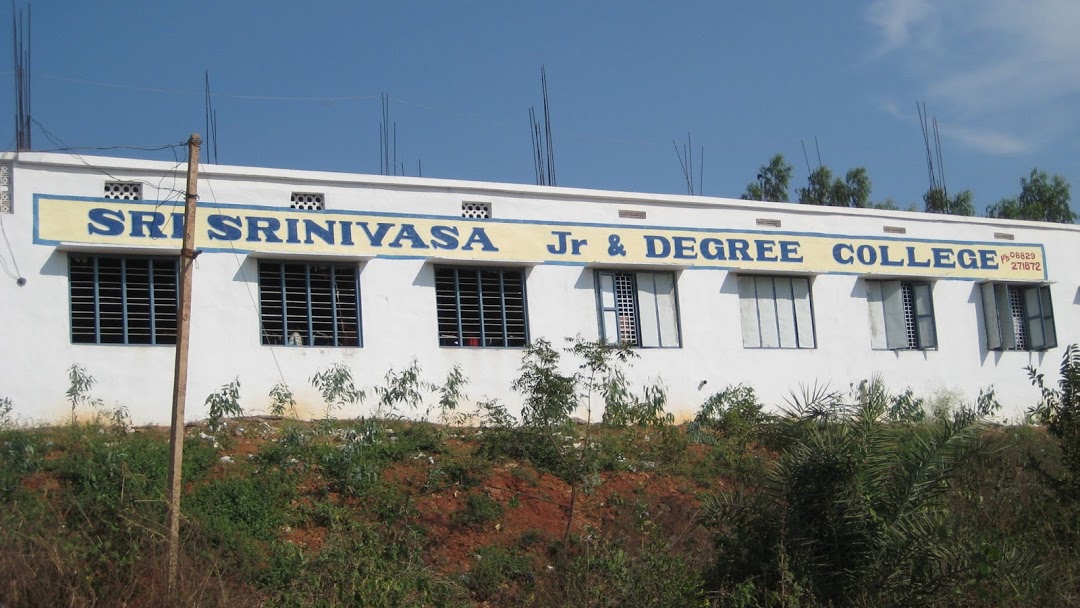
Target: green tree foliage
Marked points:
1042	199
851	191
938	201
772	183
1059	410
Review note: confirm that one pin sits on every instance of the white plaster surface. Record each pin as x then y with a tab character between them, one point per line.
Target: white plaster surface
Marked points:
398	300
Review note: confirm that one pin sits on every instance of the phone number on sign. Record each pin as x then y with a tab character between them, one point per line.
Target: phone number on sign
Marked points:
1017	255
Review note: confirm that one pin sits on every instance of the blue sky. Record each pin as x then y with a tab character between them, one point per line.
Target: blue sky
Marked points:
298	86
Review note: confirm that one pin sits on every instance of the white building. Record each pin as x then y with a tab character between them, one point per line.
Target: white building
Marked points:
375	271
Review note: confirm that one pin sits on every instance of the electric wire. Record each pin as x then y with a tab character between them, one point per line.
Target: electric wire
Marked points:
247	285
70	150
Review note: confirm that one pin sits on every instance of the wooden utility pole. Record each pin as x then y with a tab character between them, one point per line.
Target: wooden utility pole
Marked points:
176	440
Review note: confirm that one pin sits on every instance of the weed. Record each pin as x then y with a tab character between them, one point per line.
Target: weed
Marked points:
282	400
404	388
5	413
479	510
451	393
78	392
224	403
335	383
496	569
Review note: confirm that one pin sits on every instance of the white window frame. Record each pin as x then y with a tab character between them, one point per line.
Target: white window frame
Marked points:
896	327
652	303
777	312
1037	330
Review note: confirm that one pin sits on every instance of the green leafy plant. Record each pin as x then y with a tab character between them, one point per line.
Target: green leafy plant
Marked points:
6	406
282	400
404	388
451	392
479	510
78	392
1059	410
856	507
224	403
335	383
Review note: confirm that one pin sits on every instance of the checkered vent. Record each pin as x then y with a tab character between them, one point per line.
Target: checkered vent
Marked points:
908	293
625	310
1016	307
480	211
131	191
309	201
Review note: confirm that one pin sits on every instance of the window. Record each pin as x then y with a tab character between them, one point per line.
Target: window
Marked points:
122	300
482	307
1018	317
901	315
776	312
638	308
309	304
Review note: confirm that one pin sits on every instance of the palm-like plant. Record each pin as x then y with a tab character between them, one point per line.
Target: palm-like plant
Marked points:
855	507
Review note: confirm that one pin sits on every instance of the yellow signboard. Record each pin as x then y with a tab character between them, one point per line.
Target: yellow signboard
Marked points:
274	230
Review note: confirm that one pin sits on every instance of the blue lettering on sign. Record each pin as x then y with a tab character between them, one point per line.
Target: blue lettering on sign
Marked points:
106	222
103	221
789	251
560	245
408	233
656	246
967	259
147	220
843	253
479	236
684	247
444	237
224	227
712	249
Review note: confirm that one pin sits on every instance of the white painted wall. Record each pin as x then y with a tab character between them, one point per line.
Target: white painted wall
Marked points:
398	300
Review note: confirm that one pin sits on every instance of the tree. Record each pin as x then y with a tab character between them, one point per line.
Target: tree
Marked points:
938	201
772	183
822	189
1042	199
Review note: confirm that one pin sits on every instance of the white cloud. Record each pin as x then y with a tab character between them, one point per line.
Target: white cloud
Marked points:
895	19
987	140
1013	65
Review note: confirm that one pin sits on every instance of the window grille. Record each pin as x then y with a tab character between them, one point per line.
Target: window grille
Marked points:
1018	317
908	295
638	308
474	210
131	191
309	201
481	307
122	300
901	315
626	309
303	304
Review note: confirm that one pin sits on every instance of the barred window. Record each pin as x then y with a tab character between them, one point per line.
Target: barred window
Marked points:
309	304
638	308
481	307
123	299
901	315
1018	317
